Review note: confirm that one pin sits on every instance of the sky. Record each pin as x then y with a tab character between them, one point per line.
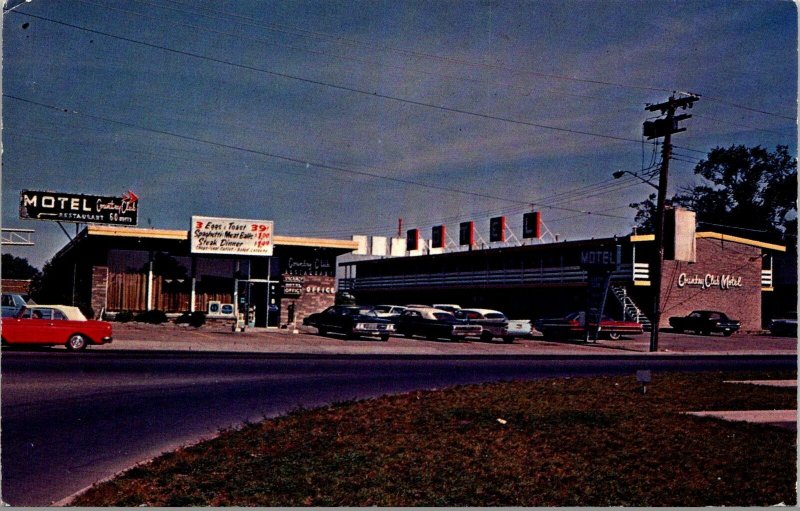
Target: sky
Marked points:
334	118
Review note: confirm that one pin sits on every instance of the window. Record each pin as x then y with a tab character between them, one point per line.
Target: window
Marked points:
58	315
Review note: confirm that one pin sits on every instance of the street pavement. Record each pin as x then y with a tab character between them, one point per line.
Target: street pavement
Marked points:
219	336
304	340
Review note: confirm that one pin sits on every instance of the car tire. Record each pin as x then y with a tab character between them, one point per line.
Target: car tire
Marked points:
508	339
408	335
706	332
486	336
322	330
678	330
76	342
614	336
385	337
727	334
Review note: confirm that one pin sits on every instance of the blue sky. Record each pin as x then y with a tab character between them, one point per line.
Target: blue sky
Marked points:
334	118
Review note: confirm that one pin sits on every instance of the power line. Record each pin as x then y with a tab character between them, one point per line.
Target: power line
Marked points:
522	89
740	125
334	86
372	46
743	107
293	159
403	51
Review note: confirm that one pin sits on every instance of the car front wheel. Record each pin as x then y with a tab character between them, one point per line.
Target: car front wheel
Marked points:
614	336
76	342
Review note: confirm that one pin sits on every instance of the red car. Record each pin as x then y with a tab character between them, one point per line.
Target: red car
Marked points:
573	325
50	325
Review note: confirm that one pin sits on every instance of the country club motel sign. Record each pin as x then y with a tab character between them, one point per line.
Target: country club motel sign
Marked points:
710	280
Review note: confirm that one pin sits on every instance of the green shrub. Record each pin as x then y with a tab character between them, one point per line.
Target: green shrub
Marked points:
123	317
155	317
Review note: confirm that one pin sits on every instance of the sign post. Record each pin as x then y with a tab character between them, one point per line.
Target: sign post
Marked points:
237	237
599	265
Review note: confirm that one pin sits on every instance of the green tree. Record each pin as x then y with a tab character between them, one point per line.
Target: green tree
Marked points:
742	189
17	268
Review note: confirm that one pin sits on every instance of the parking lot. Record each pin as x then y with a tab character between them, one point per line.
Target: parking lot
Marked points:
220	337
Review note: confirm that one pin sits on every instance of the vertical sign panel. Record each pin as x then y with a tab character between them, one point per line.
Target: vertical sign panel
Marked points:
466	233
438	236
497	229
412	239
532	225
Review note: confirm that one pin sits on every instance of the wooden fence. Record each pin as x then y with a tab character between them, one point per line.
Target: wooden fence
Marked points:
128	292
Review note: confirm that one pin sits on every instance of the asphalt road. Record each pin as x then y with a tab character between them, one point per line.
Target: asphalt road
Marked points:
71	419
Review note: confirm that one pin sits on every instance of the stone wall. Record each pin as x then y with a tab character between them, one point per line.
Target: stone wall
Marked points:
99	299
316	293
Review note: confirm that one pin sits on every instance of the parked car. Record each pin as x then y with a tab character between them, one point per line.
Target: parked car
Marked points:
573	325
54	325
351	320
449	307
12	303
519	328
494	323
389	311
434	324
705	322
785	326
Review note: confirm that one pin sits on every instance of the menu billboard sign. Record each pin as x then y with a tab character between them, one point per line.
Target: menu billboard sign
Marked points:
231	236
78	208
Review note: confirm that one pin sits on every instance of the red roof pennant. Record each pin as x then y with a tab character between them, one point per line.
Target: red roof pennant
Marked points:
130	196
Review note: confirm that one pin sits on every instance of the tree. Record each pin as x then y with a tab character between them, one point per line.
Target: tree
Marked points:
17	268
742	190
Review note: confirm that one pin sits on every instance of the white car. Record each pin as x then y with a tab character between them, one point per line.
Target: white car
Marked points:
449	307
494	322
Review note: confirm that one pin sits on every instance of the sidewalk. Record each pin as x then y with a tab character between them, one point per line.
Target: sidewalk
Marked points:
219	337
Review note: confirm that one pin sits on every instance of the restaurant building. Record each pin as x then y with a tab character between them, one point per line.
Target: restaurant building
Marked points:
729	273
115	269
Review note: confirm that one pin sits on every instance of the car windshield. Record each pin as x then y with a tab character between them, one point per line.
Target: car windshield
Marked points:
366	312
382	308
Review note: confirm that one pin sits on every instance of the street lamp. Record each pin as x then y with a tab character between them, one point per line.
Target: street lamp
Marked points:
618	174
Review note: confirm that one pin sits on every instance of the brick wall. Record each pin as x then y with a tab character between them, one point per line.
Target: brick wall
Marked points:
99	300
317	293
713	283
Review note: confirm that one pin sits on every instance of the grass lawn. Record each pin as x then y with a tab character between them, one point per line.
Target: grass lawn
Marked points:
559	442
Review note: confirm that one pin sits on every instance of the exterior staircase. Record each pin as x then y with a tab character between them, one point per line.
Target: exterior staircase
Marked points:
630	310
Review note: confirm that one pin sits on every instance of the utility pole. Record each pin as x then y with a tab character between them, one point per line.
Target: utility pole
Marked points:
663	127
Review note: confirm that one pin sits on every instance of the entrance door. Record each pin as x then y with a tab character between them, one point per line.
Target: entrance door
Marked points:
258	298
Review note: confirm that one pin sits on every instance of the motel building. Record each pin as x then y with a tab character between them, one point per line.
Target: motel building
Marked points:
113	269
536	280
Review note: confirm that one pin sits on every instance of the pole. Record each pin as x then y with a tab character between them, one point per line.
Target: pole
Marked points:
658	260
